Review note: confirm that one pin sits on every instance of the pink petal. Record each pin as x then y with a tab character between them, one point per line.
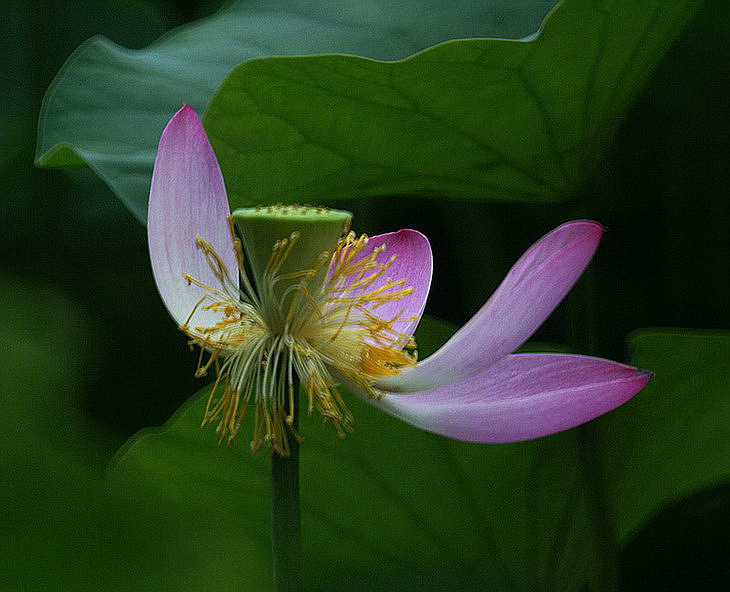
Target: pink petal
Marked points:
522	396
187	199
413	263
532	289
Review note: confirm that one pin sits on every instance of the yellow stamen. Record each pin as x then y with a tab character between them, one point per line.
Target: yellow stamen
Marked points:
263	340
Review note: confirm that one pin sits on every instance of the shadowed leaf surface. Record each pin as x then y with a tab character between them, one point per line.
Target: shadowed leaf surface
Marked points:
393	508
108	105
472	119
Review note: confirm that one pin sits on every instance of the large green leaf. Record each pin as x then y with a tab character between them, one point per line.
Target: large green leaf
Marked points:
108	105
481	118
394	508
673	439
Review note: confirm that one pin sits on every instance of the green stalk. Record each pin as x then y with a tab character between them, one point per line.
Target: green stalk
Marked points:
286	514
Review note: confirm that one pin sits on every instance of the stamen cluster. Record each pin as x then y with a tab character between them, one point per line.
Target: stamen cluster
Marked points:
296	329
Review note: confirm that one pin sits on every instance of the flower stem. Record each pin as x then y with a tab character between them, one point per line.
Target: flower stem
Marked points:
286	514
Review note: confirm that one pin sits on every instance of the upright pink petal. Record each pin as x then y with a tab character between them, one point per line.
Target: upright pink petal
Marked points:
413	263
522	396
187	199
532	289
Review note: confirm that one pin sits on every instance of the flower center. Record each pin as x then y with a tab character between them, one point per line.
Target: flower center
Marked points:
295	330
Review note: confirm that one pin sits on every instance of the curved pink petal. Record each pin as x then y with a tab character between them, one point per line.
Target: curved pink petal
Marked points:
413	263
522	396
528	294
187	199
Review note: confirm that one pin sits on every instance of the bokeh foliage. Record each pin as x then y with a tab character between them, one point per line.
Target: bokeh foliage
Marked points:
394	508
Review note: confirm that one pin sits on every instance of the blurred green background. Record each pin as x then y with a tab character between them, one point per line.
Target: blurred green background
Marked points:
91	356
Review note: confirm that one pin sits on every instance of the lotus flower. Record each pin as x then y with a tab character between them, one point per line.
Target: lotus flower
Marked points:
354	325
